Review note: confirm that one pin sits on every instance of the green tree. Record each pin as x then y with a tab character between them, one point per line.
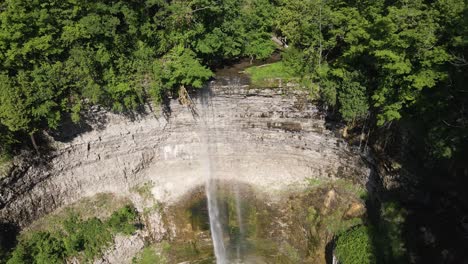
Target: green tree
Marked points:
353	101
122	221
13	108
408	56
180	67
89	236
305	24
41	248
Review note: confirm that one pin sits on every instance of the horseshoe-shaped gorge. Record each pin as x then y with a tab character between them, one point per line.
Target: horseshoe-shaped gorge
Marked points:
233	131
269	143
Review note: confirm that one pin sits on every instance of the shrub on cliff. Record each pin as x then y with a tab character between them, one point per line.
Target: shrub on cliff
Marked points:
84	239
88	237
355	247
121	221
40	248
149	256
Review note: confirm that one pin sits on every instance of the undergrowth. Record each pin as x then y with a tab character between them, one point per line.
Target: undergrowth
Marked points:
5	161
144	190
355	247
149	255
84	239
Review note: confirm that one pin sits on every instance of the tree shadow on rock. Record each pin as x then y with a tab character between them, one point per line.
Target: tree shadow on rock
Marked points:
95	118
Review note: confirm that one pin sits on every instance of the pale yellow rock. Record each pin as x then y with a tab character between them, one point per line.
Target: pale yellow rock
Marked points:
355	209
329	199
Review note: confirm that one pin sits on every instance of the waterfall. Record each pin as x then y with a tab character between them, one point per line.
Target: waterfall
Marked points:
335	260
215	223
239	220
207	118
210	182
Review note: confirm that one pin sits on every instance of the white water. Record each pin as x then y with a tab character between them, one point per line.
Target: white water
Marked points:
210	184
335	260
239	221
215	223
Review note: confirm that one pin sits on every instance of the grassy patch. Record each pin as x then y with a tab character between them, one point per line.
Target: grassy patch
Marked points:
316	182
268	75
149	255
157	207
5	163
355	189
144	190
100	206
335	224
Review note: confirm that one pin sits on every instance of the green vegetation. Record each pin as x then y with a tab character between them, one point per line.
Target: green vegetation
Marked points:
5	162
387	233
376	243
78	237
385	60
372	62
122	221
101	206
355	247
144	190
268	73
322	224
357	190
396	71
60	57
382	60
149	256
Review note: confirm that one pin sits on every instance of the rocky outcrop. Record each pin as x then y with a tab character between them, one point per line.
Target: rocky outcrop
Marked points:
271	139
123	250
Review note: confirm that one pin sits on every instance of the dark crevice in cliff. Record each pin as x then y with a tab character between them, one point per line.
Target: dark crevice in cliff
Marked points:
8	235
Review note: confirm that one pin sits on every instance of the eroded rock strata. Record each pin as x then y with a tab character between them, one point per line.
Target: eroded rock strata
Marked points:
271	139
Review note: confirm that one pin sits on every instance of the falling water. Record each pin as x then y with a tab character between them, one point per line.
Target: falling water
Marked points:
210	185
208	118
215	223
335	260
239	221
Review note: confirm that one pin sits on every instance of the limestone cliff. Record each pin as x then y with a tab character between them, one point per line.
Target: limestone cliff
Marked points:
272	139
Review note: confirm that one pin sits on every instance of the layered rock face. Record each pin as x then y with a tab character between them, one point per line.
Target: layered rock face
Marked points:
272	139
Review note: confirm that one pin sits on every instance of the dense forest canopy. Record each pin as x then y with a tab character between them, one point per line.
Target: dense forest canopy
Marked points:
370	58
59	57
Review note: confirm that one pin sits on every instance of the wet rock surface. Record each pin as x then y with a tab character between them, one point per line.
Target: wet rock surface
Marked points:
294	229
